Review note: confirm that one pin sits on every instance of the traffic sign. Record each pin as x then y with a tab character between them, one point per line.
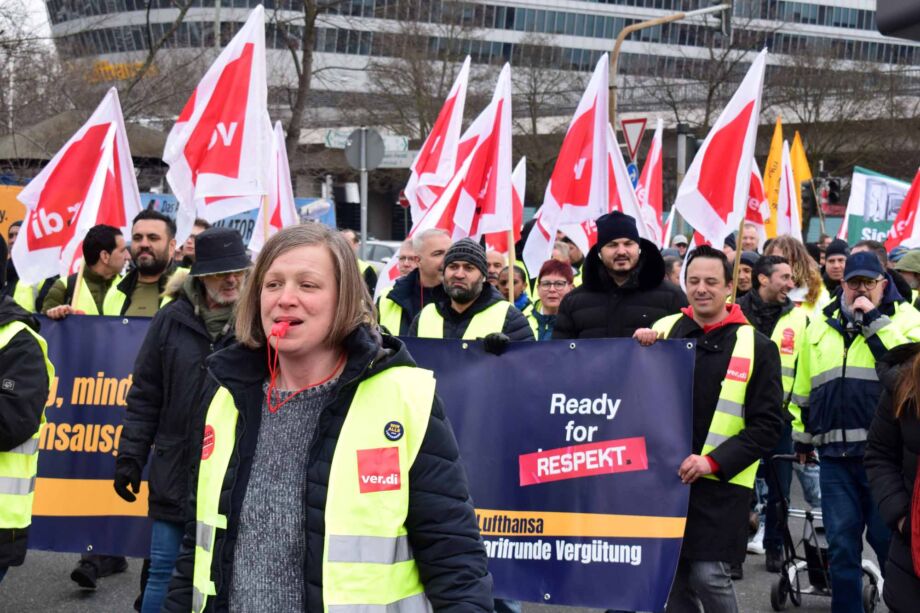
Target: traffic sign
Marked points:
633	171
336	139
374	149
633	129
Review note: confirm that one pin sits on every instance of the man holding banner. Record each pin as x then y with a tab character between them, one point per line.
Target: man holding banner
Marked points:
25	377
737	398
168	377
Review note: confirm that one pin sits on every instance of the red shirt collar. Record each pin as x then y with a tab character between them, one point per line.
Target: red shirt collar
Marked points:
735	316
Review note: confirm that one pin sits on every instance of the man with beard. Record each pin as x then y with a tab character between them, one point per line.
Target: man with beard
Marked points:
399	305
834	398
774	315
472	308
624	286
162	411
153	241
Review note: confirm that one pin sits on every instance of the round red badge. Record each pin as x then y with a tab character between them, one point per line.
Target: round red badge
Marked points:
207	443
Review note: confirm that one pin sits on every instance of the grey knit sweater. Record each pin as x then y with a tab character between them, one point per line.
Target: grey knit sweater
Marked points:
268	564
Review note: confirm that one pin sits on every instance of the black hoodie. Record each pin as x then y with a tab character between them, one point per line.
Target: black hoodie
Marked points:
23	393
600	308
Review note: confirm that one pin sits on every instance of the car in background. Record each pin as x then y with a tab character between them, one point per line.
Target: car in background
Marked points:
380	252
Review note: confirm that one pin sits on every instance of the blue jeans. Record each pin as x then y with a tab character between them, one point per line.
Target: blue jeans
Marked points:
849	510
165	541
502	605
3	570
809	476
702	583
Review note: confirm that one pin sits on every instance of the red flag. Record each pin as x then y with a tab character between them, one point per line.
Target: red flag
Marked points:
758	208
579	188
714	192
650	189
282	210
438	159
904	228
219	149
498	241
89	181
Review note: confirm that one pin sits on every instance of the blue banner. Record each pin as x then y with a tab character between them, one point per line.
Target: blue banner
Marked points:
76	508
572	450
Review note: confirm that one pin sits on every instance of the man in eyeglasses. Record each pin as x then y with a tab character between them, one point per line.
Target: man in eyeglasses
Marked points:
833	400
406	258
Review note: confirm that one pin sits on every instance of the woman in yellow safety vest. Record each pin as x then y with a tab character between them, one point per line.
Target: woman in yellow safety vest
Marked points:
329	477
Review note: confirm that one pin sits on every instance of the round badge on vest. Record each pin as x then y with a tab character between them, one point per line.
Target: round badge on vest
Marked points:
393	431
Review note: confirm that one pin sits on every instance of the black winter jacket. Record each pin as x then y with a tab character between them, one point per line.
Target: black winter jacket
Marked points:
516	326
164	405
441	521
22	400
409	294
891	461
717	520
599	308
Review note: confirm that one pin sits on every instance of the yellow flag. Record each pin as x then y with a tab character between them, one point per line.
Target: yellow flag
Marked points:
800	168
771	173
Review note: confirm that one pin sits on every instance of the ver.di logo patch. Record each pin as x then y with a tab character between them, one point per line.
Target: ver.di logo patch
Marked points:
393	431
207	442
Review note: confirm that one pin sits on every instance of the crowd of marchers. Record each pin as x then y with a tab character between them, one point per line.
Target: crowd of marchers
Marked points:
257	384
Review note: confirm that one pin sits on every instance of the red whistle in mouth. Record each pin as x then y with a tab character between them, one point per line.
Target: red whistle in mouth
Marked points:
280	328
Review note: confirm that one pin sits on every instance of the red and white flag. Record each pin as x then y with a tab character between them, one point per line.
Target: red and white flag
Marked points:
89	181
579	188
498	241
758	208
437	160
219	149
905	229
714	193
478	198
787	209
281	209
650	189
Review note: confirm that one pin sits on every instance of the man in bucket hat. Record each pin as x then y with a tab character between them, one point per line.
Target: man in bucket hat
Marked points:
162	411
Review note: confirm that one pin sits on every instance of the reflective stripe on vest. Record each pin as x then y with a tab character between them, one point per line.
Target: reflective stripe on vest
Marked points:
19	466
26	295
492	319
389	313
728	417
368	564
789	337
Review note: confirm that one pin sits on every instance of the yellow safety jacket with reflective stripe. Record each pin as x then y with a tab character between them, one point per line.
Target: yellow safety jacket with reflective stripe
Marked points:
489	320
728	418
836	387
26	295
367	561
19	466
389	314
789	336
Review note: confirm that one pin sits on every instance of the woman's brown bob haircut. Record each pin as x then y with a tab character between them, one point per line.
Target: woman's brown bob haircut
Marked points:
354	306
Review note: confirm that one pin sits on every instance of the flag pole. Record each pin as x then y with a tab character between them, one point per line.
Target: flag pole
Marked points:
76	290
737	266
512	258
265	223
817	204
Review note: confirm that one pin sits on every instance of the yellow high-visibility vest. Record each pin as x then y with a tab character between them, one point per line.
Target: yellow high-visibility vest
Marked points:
487	321
728	418
367	561
789	337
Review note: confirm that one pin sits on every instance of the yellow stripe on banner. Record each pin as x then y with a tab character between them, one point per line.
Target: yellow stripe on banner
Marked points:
84	498
526	523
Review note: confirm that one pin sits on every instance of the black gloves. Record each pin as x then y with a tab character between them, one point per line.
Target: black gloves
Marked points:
495	343
127	472
804	448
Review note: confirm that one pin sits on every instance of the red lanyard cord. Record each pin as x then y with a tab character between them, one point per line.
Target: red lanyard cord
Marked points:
273	376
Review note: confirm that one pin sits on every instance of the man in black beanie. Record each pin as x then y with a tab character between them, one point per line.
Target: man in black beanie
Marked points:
835	260
472	308
624	285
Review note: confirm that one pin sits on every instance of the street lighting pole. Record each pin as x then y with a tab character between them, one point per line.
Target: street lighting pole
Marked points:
642	25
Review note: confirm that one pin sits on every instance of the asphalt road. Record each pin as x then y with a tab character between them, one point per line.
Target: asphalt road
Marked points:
43	585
